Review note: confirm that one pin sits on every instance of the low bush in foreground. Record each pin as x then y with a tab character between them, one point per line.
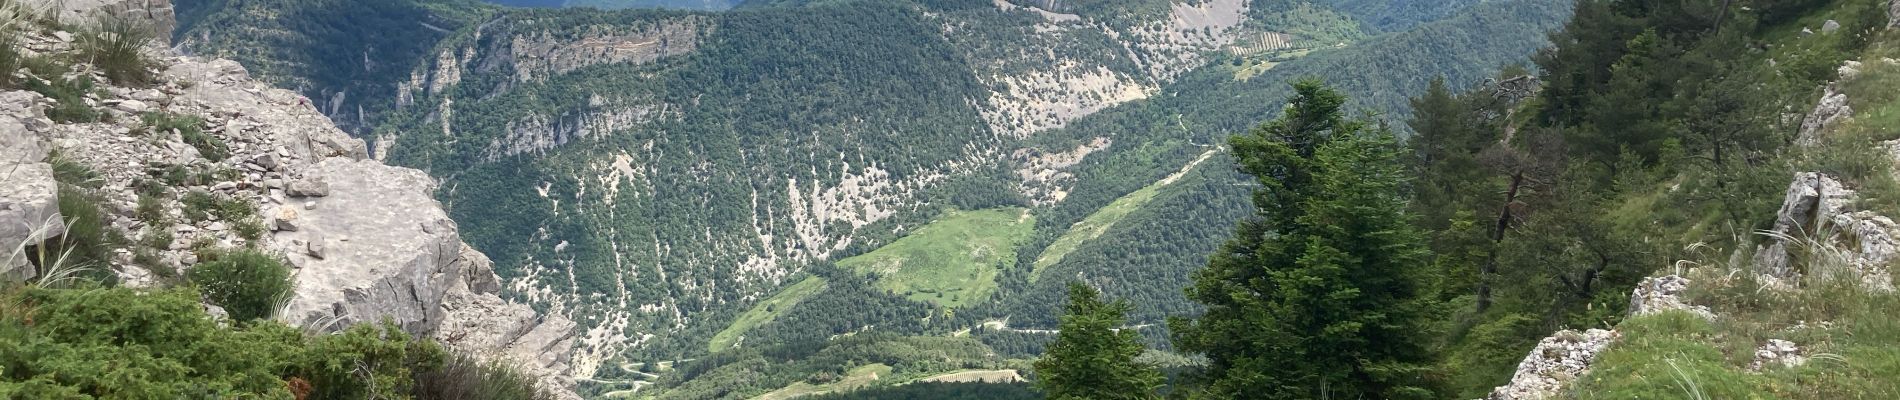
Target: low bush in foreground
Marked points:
126	343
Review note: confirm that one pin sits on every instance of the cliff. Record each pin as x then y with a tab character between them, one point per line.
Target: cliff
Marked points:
366	241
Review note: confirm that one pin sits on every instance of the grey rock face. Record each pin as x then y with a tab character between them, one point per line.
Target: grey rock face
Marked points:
479	320
1819	209
390	267
1659	294
29	197
1830	111
1810	204
155	14
1893	14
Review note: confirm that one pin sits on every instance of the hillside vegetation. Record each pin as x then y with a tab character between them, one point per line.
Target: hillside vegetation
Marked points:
675	185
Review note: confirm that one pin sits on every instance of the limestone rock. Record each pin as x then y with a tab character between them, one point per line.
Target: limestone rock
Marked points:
157	15
1811	202
1659	294
1556	362
1830	26
392	268
29	199
1777	352
1893	14
1829	112
477	320
224	91
308	187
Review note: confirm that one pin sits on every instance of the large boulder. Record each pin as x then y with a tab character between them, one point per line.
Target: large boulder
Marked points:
378	246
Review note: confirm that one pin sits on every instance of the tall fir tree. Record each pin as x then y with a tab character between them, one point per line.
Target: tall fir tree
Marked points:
1092	357
1329	293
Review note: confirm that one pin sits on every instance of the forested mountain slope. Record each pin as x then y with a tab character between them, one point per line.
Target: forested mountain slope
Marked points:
343	55
657	174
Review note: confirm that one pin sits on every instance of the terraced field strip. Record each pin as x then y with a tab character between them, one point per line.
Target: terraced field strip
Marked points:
765	311
1099	222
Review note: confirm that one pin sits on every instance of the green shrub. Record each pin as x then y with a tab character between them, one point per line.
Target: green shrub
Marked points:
160	344
367	361
249	284
123	343
191	129
116	45
464	377
70	172
198	205
69	97
10	55
88	242
249	228
158	237
151	210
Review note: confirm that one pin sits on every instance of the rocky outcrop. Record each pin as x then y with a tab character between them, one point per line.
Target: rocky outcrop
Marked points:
1560	359
1818	220
1893	14
1660	294
539	55
1777	352
377	247
366	241
1557	361
1829	112
156	14
1812	198
29	198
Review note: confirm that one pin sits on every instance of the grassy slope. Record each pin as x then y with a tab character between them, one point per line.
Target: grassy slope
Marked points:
951	261
1853	355
1851	336
1099	222
766	311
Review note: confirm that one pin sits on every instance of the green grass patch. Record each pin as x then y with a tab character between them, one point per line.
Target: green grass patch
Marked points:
952	261
1098	223
765	312
1850	335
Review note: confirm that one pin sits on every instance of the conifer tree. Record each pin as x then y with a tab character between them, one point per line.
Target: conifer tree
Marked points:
1092	357
1327	294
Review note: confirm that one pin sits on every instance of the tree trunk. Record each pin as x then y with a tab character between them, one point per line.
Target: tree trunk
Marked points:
1490	268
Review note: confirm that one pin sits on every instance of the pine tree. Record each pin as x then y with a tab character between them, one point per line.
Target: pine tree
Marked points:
1329	294
1092	358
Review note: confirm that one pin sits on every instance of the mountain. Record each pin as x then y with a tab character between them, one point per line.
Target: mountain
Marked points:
711	5
671	179
864	199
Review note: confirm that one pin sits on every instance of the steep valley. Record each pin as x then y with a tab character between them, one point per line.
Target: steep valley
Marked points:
658	175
